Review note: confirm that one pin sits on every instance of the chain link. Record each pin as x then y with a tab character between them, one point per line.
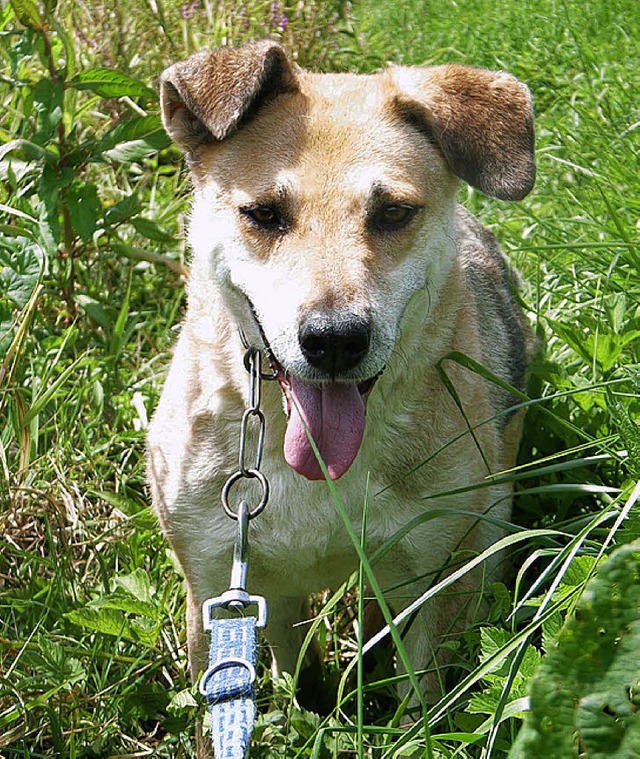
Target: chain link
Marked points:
252	416
252	413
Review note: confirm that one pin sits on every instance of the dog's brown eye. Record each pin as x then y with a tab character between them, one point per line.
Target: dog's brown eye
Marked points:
267	217
394	216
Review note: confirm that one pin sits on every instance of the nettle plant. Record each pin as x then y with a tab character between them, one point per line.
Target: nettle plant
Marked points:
77	147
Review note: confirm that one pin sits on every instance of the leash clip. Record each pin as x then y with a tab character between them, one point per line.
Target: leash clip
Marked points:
237	598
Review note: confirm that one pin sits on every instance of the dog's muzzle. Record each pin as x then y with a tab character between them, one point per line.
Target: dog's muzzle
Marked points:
334	346
331	410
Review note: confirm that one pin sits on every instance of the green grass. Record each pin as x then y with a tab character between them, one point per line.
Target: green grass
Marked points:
91	606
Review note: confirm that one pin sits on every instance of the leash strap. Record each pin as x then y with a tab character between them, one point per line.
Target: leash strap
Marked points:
229	685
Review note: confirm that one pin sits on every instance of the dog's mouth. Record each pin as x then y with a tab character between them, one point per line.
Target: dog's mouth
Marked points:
333	414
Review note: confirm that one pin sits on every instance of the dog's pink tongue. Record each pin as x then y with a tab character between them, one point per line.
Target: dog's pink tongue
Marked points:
335	416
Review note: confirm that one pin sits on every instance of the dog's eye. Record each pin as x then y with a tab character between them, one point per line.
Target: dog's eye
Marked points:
394	216
264	216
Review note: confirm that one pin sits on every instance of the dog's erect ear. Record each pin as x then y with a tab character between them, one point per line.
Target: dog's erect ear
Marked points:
208	96
481	120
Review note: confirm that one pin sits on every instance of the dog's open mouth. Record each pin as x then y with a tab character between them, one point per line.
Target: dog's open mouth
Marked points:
334	415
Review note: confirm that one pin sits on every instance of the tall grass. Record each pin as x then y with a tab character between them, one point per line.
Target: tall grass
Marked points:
91	607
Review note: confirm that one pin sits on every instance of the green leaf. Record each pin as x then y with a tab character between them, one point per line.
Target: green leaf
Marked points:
578	571
126	505
50	390
136	128
85	209
50	5
573	337
106	621
182	700
550	630
54	178
144	630
125	603
502	602
137	584
55	664
111	84
629	432
11	230
133	595
7	14
48	104
585	692
110	621
20	273
615	306
95	310
64	37
151	230
28	14
492	641
136	150
515	708
122	210
32	151
605	347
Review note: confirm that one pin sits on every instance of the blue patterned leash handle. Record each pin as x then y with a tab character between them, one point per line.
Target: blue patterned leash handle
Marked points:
229	685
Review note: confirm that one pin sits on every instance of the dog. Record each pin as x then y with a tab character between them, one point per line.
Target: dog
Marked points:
325	230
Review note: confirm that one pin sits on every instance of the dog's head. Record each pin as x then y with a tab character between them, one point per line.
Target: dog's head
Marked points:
324	204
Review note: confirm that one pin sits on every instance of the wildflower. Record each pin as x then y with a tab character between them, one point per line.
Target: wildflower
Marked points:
244	19
278	20
188	10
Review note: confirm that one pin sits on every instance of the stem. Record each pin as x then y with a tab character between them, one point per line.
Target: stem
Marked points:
55	77
68	253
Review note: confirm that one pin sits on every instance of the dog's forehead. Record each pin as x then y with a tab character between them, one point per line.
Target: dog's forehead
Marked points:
354	97
338	131
351	122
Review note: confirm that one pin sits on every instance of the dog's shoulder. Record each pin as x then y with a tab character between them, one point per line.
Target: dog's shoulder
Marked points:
493	285
481	254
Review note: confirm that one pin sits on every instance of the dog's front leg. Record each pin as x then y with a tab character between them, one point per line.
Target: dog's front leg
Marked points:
198	650
286	633
197	638
423	635
425	631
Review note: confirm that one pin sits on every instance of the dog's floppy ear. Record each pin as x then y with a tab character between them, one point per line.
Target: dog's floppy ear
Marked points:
208	96
481	120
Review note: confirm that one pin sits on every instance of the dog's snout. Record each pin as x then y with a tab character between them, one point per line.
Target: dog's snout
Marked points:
334	345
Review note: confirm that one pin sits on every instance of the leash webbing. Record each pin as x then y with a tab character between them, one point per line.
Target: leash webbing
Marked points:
229	685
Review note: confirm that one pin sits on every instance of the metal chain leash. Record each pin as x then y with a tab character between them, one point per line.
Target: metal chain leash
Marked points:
237	597
253	364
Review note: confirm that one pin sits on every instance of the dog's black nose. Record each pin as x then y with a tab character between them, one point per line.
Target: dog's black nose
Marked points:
334	345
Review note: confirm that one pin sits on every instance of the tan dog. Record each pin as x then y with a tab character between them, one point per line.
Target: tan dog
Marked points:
325	227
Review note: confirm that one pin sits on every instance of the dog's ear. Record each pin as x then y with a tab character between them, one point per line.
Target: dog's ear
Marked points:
481	120
208	96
